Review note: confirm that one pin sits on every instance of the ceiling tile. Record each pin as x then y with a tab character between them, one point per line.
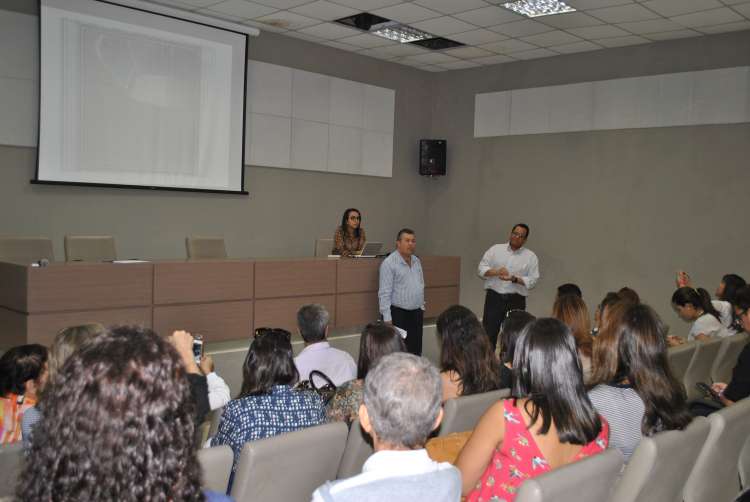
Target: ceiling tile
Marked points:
743	9
402	50
724	28
557	37
477	37
220	15
283	4
671	35
468	52
651	26
489	16
522	28
373	54
309	38
624	13
507	46
186	4
406	13
670	8
534	54
366	41
622	41
242	9
431	58
338	45
288	20
596	32
734	2
265	27
432	68
330	31
459	65
325	11
570	20
595	4
490	60
712	17
443	26
451	6
582	46
367	5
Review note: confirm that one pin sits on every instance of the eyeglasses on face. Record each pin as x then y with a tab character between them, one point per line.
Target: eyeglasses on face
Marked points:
263	332
354	217
519	235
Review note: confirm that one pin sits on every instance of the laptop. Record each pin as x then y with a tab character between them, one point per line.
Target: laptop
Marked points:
370	250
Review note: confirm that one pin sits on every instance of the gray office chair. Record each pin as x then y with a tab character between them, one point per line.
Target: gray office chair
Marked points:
358	449
661	464
216	465
699	369
715	475
744	465
726	360
205	247
323	247
679	359
597	474
289	466
25	249
90	248
462	413
11	464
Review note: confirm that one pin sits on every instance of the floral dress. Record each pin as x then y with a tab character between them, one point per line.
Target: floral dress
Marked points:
519	459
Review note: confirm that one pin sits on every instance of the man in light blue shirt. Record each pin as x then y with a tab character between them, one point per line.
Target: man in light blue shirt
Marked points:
401	291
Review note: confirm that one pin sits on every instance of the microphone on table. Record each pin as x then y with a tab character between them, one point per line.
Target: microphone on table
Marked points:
41	263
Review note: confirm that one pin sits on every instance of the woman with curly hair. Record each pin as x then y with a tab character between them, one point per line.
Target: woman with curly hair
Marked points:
467	363
117	424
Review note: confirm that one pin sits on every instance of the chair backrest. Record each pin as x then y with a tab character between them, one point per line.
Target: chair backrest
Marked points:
357	451
216	465
205	247
597	474
323	247
11	463
716	472
699	369
25	249
679	359
744	465
661	464
214	417
463	413
90	248
725	361
289	466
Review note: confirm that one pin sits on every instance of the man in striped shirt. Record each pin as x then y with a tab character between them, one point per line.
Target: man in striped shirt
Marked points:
401	291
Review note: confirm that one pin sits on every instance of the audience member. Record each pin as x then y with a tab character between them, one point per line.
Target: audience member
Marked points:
378	339
218	390
65	343
569	289
573	312
117	424
182	341
739	387
267	404
468	364
600	316
339	366
629	295
401	408
552	424
694	305
725	298
634	389
23	373
513	325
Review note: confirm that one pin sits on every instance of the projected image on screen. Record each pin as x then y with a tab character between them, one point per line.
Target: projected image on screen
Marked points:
136	99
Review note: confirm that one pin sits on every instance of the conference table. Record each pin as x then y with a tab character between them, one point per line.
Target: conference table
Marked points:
221	299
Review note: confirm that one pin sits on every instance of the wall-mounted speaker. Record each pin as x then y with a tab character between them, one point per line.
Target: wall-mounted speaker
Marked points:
432	154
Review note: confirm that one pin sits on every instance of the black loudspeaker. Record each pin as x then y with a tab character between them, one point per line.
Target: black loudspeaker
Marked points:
432	157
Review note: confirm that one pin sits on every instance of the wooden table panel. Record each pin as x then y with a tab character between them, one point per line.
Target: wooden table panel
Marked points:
42	328
282	312
13	328
13	292
441	270
204	281
278	279
89	286
439	299
357	275
356	309
215	321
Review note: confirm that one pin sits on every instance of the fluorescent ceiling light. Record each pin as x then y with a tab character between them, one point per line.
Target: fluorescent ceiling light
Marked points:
400	32
536	8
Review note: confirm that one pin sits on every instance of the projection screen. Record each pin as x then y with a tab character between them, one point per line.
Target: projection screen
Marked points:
130	98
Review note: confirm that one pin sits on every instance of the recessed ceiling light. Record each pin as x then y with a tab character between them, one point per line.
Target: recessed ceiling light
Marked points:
399	32
536	8
393	30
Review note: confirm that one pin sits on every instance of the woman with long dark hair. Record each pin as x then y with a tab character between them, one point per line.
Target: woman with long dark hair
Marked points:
117	424
349	238
510	330
726	293
573	312
634	388
694	305
467	363
549	424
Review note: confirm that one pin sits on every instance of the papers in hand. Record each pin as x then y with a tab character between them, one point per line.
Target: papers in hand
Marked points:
401	332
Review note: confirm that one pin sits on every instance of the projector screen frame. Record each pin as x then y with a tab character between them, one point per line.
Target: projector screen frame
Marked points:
37	181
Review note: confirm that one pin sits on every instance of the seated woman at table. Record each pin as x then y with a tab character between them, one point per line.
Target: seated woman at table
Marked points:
349	238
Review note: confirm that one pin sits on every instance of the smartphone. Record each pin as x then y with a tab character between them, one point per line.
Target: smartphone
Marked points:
708	392
197	348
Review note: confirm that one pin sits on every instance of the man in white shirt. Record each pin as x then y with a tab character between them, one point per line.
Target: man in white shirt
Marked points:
509	270
339	366
402	406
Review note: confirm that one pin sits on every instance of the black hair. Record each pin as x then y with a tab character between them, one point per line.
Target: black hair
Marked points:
345	218
513	324
524	226
732	283
569	289
742	298
378	339
269	362
547	372
408	231
629	295
698	298
19	365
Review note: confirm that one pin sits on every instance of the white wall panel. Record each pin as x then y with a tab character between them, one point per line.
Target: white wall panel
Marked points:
377	153
720	96
347	103
675	95
309	145
572	108
310	96
492	112
269	89
345	150
378	111
271	136
529	111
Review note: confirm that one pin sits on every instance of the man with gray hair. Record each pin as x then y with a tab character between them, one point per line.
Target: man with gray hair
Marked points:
339	366
402	406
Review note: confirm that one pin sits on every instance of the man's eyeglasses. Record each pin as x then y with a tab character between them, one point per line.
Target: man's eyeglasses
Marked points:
516	234
263	332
